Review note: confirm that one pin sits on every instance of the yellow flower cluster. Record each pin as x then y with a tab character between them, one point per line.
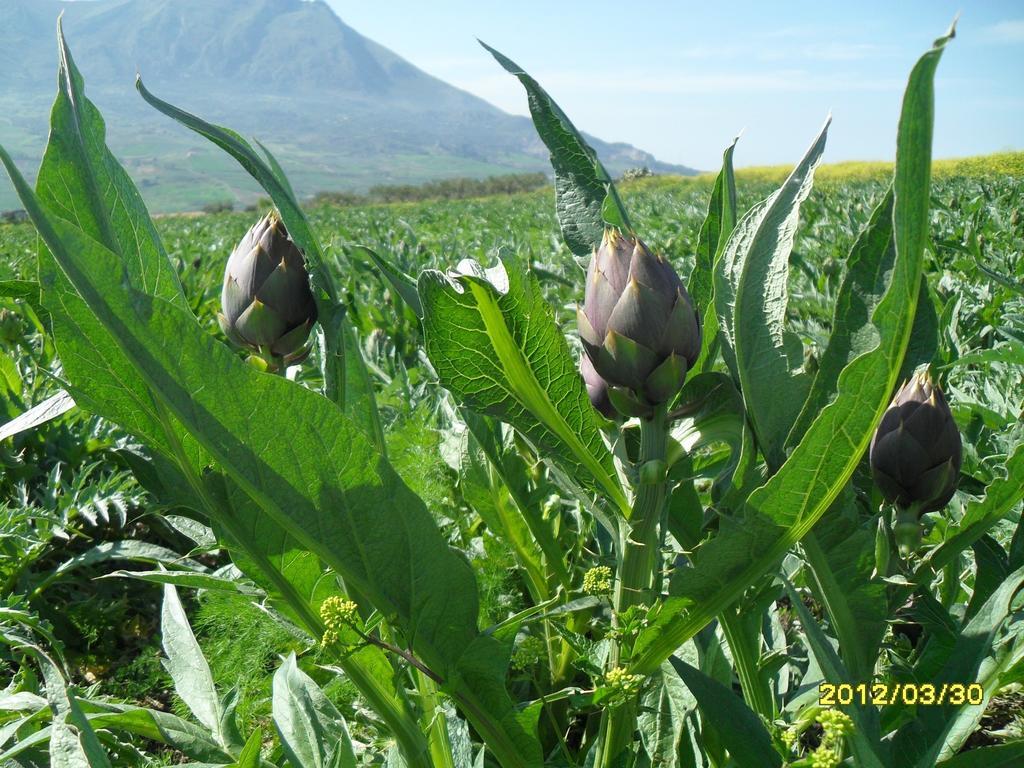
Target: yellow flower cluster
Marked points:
528	652
624	684
598	580
835	725
336	612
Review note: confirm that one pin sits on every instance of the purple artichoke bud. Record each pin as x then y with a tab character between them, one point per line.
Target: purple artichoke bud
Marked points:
916	451
637	323
266	302
597	388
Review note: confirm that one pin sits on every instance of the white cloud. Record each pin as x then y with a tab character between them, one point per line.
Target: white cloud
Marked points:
1007	31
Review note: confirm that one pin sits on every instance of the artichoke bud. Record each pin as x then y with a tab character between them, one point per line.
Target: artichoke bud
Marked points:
638	324
916	451
597	388
266	301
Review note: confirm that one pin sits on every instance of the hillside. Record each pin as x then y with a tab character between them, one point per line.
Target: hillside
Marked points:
341	111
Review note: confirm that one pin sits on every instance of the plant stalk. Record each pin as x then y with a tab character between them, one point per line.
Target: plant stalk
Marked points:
435	722
638	567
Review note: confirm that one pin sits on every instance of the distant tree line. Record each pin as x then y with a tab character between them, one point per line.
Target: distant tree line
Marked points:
445	189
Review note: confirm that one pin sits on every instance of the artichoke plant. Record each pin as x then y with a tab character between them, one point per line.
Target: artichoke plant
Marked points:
638	324
916	452
266	301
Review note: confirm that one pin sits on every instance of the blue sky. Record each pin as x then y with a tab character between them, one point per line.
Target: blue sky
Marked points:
680	79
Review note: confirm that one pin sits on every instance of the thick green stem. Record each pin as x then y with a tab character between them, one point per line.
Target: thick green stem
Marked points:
435	722
756	690
639	560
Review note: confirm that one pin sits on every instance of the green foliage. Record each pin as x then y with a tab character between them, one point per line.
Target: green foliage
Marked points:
504	576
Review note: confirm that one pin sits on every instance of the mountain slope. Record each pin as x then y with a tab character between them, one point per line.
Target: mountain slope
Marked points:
340	111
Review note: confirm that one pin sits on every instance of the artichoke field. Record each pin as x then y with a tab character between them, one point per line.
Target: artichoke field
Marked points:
681	473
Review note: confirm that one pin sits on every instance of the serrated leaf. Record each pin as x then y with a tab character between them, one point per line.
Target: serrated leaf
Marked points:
493	341
714	233
350	508
81	180
585	196
779	513
751	295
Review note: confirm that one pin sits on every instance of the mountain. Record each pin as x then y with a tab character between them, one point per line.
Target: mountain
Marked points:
339	110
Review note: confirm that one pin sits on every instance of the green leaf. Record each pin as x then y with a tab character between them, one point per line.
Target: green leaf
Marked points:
493	341
714	233
189	580
313	733
187	666
250	756
841	554
779	513
273	183
75	165
1010	352
936	732
1001	497
97	358
350	507
1009	755
73	742
129	549
80	180
48	410
403	284
163	728
585	196
751	295
745	736
160	727
346	379
861	290
664	706
277	170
